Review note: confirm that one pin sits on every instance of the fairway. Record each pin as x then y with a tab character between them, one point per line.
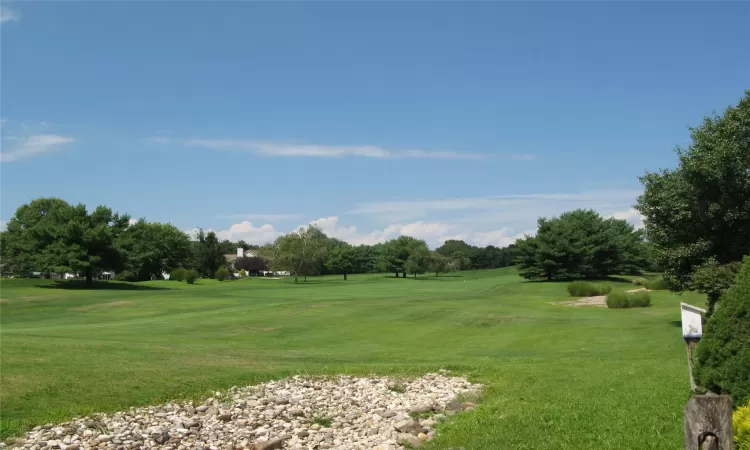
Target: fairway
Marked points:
557	377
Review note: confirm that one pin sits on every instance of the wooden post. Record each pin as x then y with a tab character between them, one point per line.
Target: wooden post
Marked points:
708	423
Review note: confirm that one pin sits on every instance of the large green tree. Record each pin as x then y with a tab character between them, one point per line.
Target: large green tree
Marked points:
210	254
396	252
418	261
580	244
342	260
701	209
50	235
154	248
300	252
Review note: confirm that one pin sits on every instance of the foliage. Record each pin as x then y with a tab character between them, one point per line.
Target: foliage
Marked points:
656	284
489	257
178	274
701	209
300	252
243	273
580	244
222	273
418	261
342	259
210	254
153	248
191	276
617	300
587	289
639	281
723	353
49	235
396	252
713	279
439	263
741	427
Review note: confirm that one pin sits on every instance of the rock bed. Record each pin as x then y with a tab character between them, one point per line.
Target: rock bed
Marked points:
345	413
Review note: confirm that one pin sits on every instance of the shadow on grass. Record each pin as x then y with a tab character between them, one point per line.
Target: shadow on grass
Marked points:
100	285
676	323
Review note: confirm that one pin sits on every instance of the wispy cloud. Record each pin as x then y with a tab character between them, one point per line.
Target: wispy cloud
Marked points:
9	15
495	202
330	151
34	145
159	139
253	216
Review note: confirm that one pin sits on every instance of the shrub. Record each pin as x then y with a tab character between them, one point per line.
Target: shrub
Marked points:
190	276
222	274
178	274
640	281
586	289
657	284
639	300
126	275
741	427
618	300
243	273
723	354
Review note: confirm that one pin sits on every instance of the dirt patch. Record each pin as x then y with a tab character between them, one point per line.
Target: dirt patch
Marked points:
114	304
4	300
639	290
597	300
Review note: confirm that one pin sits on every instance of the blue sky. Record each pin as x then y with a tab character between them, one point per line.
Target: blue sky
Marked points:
373	119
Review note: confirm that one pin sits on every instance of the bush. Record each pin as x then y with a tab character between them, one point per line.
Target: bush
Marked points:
190	276
639	300
640	281
222	274
657	284
723	353
126	275
178	274
741	427
586	289
618	300
243	273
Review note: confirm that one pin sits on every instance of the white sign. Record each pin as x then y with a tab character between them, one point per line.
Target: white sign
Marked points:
691	321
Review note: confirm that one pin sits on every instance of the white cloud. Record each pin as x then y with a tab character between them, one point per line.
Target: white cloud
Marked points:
266	217
29	146
244	231
132	221
9	15
331	151
434	233
632	216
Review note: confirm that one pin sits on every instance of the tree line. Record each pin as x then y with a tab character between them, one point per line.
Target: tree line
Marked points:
49	235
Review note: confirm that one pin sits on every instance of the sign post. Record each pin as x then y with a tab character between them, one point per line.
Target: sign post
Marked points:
708	418
692	330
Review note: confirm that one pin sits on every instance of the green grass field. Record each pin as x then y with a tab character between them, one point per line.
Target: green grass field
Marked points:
557	377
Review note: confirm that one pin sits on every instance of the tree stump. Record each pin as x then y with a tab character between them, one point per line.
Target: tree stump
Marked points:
708	423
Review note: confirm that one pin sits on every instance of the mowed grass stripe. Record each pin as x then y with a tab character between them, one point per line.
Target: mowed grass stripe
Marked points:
557	377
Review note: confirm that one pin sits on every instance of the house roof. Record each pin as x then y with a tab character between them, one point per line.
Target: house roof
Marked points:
230	257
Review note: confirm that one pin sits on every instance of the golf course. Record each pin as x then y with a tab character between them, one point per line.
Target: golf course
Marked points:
555	376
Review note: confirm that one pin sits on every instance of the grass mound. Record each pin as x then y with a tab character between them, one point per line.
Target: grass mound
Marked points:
587	289
619	300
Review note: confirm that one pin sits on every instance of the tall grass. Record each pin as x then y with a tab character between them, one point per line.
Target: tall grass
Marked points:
587	289
618	300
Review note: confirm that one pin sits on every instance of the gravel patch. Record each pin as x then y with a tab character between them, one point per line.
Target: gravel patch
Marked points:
348	413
